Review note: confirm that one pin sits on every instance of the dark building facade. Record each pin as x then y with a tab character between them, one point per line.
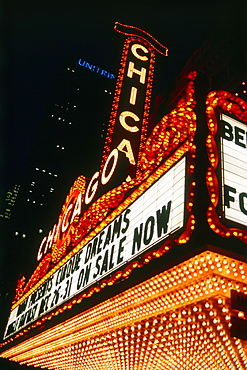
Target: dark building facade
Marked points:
221	59
79	110
9	201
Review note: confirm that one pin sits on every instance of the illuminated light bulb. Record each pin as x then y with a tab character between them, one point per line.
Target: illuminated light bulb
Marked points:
240	314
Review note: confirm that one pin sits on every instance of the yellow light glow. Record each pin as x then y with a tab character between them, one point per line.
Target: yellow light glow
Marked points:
179	318
227	102
141	72
133	95
106	177
92	188
122	119
134	49
125	147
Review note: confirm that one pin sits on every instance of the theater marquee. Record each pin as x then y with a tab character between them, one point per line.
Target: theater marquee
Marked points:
147	201
111	225
155	214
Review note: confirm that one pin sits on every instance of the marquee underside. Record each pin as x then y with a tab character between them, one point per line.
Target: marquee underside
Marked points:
180	318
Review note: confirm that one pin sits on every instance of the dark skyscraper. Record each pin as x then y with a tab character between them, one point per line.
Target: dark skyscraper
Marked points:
9	201
78	113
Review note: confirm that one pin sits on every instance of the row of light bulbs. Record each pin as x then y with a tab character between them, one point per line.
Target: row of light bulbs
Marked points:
151	326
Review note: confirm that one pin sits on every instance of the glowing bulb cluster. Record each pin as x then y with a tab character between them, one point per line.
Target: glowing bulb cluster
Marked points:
237	107
176	131
180	317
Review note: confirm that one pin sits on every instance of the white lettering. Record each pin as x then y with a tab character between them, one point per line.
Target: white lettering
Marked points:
92	188
122	118
105	178
133	95
134	49
128	152
50	239
77	209
40	253
141	73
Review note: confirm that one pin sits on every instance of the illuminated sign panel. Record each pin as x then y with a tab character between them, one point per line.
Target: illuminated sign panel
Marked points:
234	169
130	116
226	173
108	227
135	222
127	127
124	148
95	69
158	212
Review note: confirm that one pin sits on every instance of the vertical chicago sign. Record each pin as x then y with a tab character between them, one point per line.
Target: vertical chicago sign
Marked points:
127	128
133	209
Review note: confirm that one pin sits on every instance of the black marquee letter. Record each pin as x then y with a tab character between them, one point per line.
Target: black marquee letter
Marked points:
137	239
227	131
239	135
148	229
163	218
228	197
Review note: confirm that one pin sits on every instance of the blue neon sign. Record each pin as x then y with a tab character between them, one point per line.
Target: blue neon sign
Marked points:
96	69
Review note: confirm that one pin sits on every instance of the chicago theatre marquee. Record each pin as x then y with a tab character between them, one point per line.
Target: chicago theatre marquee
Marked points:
146	266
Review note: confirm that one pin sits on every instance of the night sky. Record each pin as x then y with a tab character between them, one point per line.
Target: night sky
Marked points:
38	36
